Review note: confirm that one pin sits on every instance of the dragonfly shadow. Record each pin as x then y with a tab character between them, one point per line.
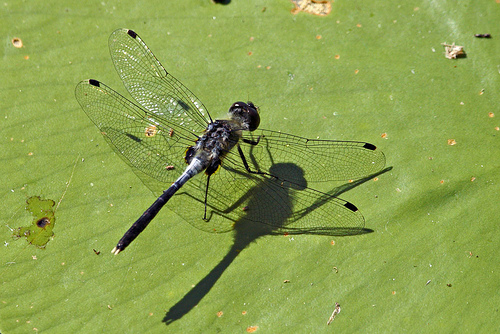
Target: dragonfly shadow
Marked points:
253	226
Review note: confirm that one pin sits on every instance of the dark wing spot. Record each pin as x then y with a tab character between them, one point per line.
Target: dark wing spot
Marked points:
132	33
369	146
94	83
351	207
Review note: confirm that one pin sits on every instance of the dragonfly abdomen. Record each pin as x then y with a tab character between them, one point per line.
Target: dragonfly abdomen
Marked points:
194	168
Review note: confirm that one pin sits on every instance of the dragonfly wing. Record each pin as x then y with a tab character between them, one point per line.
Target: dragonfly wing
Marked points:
282	198
148	143
292	208
152	86
242	201
321	160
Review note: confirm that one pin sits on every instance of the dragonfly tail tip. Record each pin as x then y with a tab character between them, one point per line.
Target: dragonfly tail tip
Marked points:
116	251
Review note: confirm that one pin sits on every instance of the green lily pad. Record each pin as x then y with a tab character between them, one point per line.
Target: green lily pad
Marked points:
367	71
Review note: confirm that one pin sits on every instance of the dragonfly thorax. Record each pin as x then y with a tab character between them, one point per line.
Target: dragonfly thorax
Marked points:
218	139
221	136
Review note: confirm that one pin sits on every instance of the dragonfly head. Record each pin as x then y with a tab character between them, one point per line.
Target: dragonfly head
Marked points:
245	114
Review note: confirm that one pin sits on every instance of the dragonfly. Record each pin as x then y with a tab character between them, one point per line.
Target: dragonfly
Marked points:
211	170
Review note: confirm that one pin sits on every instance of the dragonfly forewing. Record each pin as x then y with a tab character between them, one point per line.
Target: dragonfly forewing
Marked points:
152	86
321	160
147	145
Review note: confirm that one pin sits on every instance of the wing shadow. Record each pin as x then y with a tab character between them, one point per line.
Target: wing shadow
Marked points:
248	230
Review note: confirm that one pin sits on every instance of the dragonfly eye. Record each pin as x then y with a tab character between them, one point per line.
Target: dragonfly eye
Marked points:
246	114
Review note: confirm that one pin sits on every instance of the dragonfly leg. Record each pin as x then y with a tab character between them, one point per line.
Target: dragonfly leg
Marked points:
245	163
251	142
212	168
206	195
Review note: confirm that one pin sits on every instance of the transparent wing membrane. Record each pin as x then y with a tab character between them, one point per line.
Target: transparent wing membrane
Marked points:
321	160
153	146
283	206
152	86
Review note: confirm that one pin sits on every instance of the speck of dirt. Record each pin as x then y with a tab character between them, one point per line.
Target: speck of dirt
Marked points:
42	222
17	42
